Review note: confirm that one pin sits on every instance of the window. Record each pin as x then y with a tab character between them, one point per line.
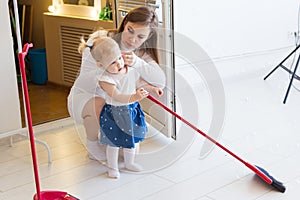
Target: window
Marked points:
80	8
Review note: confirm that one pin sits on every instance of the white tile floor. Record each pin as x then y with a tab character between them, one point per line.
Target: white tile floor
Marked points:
258	127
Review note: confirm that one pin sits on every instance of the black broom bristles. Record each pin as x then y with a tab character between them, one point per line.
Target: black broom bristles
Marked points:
275	183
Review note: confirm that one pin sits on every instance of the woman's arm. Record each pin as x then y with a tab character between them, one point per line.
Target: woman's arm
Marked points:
148	69
114	93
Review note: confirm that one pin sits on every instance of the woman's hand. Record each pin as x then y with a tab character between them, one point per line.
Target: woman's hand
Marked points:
158	91
129	58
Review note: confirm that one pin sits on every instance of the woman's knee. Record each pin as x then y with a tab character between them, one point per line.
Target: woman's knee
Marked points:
93	108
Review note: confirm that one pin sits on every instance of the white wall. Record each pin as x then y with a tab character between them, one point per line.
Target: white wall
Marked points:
10	118
232	30
235	33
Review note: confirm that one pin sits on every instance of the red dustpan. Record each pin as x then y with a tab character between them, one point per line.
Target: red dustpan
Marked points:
40	195
53	195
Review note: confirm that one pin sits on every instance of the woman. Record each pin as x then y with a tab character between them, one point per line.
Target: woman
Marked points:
137	37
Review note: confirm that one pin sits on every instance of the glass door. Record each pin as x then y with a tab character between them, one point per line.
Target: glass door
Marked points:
156	116
159	119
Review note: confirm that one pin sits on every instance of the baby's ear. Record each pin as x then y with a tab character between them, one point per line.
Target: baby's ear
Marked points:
99	64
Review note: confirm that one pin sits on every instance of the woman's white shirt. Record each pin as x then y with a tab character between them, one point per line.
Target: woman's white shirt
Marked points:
87	80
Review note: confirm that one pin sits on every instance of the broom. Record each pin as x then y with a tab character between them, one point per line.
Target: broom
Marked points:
260	172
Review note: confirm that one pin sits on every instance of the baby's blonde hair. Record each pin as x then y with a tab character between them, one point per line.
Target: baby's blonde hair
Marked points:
104	50
83	44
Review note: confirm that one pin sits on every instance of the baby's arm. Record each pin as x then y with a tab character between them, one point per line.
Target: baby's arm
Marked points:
114	93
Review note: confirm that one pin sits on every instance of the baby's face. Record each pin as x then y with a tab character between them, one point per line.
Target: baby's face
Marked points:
116	66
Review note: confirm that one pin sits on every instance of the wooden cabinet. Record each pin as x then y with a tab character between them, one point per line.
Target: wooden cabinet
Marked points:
62	37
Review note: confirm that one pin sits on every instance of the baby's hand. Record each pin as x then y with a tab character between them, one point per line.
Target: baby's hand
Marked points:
141	93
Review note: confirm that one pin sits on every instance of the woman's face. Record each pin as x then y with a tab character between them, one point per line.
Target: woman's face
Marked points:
134	35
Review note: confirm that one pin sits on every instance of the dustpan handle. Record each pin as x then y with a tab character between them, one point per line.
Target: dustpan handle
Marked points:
28	116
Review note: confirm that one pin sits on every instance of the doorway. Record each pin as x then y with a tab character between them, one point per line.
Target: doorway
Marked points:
49	100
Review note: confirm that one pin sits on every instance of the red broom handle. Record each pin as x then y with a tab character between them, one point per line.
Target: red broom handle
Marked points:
28	116
250	166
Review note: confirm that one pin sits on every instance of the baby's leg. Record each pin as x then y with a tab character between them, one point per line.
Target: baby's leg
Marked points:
137	148
129	155
112	161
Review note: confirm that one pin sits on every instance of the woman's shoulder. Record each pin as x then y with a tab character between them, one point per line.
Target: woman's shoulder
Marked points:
146	57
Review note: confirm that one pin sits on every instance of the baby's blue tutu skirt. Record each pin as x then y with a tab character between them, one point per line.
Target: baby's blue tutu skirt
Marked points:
122	126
